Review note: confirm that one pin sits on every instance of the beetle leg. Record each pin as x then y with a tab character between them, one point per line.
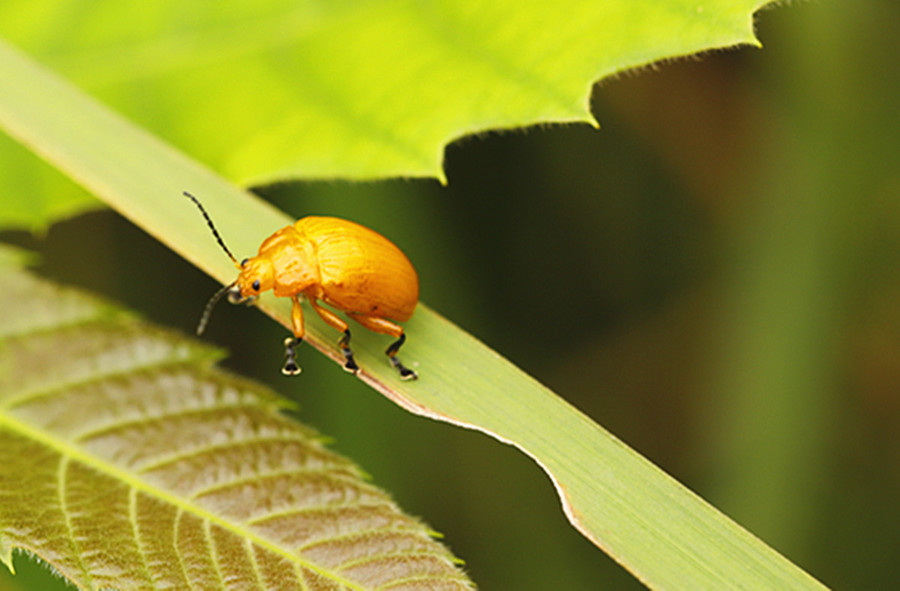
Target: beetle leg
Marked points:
344	344
391	352
336	322
290	365
384	326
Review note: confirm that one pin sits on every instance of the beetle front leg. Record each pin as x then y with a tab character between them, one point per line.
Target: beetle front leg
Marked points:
290	365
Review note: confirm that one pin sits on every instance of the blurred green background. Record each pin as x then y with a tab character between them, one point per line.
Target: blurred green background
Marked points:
713	276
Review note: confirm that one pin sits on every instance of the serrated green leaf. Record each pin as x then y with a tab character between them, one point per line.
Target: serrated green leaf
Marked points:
278	89
128	463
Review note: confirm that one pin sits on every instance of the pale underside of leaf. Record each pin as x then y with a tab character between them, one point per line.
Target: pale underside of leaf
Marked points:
129	463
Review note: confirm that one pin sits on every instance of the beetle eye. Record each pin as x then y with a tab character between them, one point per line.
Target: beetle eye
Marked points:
256	285
244	262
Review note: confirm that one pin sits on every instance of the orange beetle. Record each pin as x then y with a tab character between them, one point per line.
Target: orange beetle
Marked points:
330	260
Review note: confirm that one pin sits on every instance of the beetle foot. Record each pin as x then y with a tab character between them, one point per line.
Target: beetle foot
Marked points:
350	365
405	372
290	365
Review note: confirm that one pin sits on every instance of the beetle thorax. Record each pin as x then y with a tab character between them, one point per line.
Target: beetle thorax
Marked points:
291	262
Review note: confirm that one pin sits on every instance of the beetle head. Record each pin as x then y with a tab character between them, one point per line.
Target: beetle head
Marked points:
256	276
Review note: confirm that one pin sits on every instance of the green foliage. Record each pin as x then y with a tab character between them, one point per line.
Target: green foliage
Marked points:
792	396
663	533
129	463
273	89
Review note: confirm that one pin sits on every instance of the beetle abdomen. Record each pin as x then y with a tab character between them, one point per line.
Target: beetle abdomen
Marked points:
361	271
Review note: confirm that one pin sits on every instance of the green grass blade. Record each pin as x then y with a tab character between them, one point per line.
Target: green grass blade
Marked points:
664	534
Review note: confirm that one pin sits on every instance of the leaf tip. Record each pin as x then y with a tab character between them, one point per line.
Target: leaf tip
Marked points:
6	555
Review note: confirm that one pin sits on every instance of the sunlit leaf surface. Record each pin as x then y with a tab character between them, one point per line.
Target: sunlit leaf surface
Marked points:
126	461
280	89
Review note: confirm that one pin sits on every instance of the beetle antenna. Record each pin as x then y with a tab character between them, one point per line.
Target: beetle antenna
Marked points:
212	227
207	311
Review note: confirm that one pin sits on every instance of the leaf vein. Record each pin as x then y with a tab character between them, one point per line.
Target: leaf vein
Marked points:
320	508
176	528
254	564
256	478
96	376
136	531
459	578
211	548
61	476
361	534
388	556
196	452
145	420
